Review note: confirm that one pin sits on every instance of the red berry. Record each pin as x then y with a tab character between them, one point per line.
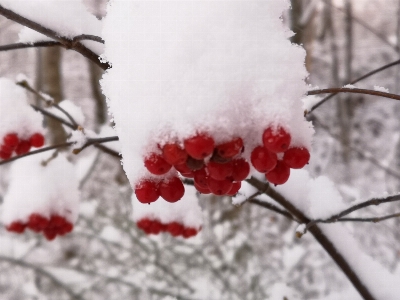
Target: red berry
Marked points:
279	175
200	178
37	140
219	187
23	147
175	229
263	160
235	188
17	227
202	189
147	191
199	146
184	170
219	171
144	223
172	189
174	155
5	154
189	232
155	227
241	169
67	228
296	158
37	222
50	233
156	164
230	149
276	140
11	140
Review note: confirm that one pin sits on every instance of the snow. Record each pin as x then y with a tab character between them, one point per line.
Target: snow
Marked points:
47	190
68	18
349	86
281	291
225	68
380	89
16	116
78	138
72	109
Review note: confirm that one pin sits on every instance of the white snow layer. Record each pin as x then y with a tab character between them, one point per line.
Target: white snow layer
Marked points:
68	18
16	116
181	67
47	190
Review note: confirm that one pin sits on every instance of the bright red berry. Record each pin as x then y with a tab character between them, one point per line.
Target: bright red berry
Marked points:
280	174
184	170
23	147
263	160
203	190
276	140
199	146
11	140
144	223
37	222
37	140
155	227
235	188
189	232
147	191
175	229
156	164
200	178
230	149
66	228
296	158
5	154
172	189
241	169
219	187
17	227
219	171
50	233
174	155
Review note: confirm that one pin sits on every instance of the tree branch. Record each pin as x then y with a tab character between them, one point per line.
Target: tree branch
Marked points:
354	91
66	42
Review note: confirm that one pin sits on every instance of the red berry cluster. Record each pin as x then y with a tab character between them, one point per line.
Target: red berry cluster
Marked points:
56	225
174	228
12	143
221	174
265	158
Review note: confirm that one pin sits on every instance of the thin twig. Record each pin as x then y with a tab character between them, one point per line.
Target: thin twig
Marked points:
17	46
354	91
272	208
68	43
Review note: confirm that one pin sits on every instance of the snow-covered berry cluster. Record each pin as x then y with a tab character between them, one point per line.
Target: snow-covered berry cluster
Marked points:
20	126
51	227
275	157
13	144
152	226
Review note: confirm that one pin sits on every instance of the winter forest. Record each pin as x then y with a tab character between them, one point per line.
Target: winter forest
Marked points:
199	150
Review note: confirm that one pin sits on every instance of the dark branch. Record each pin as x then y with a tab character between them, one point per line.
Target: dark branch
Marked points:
17	46
66	42
354	91
272	208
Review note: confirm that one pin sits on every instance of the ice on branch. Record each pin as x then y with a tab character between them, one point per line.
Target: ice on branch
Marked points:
43	195
68	18
198	75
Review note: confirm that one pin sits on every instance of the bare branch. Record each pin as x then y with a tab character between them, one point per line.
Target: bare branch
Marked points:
354	91
17	46
272	208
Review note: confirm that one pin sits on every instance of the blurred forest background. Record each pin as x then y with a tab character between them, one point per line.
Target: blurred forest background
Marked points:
242	252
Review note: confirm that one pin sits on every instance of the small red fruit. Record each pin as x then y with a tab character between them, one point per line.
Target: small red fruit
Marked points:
296	158
241	169
202	190
189	232
144	223
17	227
67	228
50	233
175	229
23	147
230	149
280	174
147	191
5	154
219	187
199	146
174	155
263	160
200	178
11	140
172	189
276	140
37	140
234	189
156	164
220	171
155	227
37	222
184	170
